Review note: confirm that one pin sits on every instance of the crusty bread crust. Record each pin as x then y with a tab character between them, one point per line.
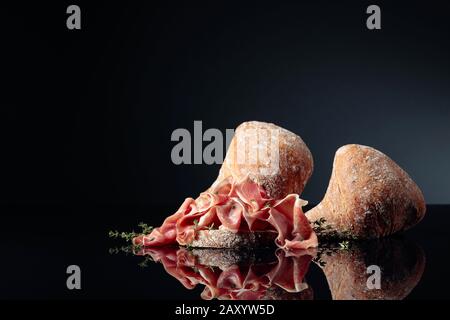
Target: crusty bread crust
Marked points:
368	196
222	238
271	156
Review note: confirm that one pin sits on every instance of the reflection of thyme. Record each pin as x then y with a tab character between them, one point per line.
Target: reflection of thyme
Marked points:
123	249
134	250
329	250
318	259
131	249
320	262
323	250
144	263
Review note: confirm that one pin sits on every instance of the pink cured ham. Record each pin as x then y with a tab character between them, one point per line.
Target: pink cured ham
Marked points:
236	206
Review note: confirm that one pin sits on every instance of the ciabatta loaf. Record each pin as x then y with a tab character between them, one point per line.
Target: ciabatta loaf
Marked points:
368	196
273	157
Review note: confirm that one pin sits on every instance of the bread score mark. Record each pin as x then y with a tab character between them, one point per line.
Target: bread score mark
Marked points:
238	207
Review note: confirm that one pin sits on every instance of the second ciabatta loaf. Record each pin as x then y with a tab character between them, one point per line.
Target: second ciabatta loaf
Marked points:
369	196
273	157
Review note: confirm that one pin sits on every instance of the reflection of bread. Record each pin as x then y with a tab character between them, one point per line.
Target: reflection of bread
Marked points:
273	157
402	264
225	258
222	238
368	196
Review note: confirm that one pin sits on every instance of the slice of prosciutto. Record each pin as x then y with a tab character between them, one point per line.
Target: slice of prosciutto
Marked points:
236	206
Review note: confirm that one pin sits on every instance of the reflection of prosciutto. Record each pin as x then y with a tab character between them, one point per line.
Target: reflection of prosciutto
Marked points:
242	206
279	279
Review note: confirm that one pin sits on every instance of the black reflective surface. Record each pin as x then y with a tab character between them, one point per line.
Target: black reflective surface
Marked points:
39	242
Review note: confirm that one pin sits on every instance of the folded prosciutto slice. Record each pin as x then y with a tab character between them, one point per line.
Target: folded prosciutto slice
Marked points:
237	207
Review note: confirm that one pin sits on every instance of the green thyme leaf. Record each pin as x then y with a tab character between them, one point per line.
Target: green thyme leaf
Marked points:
128	236
267	205
344	245
146	229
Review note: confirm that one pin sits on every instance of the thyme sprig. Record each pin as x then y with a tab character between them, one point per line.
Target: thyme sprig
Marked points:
128	236
328	232
267	205
344	245
146	229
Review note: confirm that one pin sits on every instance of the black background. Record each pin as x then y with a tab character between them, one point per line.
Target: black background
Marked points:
87	115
